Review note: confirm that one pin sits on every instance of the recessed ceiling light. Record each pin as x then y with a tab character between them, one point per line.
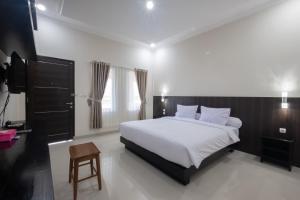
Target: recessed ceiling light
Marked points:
150	5
41	7
152	45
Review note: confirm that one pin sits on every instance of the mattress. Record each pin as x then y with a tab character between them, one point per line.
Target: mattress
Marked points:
186	142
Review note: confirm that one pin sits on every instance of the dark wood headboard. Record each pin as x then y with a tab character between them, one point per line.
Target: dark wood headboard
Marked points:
261	116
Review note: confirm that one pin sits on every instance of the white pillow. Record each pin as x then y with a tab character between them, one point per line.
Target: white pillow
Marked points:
186	111
215	115
234	122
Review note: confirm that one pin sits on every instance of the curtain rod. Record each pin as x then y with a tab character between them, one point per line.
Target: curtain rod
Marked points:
128	68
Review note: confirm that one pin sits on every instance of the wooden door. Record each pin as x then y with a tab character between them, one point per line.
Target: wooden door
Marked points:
50	97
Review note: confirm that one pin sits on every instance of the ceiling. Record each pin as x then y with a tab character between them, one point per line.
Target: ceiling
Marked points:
169	21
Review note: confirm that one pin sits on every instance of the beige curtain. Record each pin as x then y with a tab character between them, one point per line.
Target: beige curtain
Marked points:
141	77
100	73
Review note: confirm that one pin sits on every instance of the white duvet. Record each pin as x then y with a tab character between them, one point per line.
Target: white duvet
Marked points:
183	141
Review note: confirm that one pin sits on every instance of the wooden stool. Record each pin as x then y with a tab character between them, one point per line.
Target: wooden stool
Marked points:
81	153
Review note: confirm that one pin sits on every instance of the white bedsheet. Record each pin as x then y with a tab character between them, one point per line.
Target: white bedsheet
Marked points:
186	142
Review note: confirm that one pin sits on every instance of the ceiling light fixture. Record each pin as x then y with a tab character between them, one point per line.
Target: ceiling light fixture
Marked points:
41	7
152	45
150	5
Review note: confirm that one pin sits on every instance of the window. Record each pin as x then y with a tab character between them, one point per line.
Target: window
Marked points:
134	97
107	99
121	100
121	92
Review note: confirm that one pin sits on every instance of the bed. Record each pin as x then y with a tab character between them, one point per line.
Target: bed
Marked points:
178	146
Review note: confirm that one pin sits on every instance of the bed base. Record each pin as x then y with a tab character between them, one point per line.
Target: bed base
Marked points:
177	172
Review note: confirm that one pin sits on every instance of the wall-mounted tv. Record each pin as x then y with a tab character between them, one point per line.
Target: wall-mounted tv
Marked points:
14	75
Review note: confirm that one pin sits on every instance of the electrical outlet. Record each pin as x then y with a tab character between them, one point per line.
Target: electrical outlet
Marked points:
282	130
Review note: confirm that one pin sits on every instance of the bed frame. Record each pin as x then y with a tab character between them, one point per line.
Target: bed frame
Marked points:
177	172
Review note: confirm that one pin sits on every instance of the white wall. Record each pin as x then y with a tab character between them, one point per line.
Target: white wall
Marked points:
57	39
256	56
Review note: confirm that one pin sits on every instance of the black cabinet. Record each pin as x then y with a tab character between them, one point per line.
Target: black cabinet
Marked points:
25	168
276	150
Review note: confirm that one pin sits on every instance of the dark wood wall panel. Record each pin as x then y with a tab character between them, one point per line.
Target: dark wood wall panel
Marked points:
261	116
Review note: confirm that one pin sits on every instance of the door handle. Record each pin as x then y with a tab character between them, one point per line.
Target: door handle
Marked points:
70	103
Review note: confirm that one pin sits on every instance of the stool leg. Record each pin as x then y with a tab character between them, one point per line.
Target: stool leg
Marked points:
75	180
70	170
92	166
98	171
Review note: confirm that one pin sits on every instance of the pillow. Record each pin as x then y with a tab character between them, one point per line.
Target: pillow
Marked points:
215	115
234	122
186	111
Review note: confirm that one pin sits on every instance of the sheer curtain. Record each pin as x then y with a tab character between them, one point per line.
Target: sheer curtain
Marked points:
121	101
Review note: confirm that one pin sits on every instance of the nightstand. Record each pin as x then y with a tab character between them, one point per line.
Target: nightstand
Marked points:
276	150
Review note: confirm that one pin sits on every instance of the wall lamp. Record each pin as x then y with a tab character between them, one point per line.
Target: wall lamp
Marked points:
284	103
164	101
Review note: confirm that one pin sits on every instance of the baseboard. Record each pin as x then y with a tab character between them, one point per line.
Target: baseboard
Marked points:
101	132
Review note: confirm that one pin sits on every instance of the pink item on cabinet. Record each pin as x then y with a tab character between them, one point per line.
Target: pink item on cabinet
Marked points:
7	135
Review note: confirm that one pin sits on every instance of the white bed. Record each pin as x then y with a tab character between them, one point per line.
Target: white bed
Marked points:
186	142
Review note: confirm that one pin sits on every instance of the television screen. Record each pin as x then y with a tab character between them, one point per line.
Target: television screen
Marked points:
16	75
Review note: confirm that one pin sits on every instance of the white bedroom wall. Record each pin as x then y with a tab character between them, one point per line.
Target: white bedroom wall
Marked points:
58	39
255	56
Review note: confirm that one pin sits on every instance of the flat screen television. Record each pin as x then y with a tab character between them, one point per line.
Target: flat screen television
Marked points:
15	74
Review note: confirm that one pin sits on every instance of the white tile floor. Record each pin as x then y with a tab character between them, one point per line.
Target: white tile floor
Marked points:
125	176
